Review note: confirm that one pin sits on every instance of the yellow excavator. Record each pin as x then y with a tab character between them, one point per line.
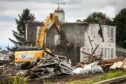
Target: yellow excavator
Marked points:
28	55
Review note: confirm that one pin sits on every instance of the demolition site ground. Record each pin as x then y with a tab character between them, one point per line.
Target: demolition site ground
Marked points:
80	79
33	75
58	70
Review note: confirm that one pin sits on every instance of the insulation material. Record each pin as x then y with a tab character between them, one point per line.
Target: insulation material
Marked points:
89	68
77	71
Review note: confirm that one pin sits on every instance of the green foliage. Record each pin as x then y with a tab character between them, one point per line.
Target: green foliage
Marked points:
21	25
109	75
18	80
120	23
98	17
12	57
12	80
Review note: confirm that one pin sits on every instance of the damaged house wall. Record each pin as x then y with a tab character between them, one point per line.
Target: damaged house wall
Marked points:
74	33
104	36
77	35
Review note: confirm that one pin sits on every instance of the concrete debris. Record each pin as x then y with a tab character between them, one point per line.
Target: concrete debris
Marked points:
47	67
57	65
124	64
88	68
22	72
119	65
106	64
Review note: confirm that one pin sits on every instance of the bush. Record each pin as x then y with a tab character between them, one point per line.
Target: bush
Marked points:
12	80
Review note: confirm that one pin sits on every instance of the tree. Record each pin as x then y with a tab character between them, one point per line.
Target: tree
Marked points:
98	17
21	26
120	23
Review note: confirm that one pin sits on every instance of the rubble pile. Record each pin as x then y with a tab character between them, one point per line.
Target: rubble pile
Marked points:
47	67
56	65
119	65
53	65
99	66
105	64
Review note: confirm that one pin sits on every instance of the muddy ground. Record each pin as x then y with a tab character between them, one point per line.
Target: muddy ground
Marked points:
64	78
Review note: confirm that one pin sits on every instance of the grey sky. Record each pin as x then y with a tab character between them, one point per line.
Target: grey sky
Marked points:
74	9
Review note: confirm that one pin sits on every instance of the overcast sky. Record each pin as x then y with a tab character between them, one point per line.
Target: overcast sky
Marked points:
74	9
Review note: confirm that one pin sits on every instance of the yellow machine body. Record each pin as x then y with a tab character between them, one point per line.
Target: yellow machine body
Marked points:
28	56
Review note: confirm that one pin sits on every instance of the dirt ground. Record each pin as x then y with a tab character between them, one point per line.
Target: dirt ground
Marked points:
64	78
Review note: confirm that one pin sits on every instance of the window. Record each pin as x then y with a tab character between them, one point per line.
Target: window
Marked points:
111	52
57	39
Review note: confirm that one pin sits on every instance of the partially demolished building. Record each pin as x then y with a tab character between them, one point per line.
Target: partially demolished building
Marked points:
81	37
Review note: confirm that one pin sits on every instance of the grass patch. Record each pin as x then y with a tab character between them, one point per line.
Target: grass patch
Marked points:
104	76
12	80
109	75
91	80
101	77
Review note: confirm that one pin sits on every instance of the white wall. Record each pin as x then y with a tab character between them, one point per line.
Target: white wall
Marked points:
106	49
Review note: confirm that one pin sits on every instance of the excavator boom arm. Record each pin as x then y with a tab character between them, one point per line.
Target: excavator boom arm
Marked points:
30	55
49	21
